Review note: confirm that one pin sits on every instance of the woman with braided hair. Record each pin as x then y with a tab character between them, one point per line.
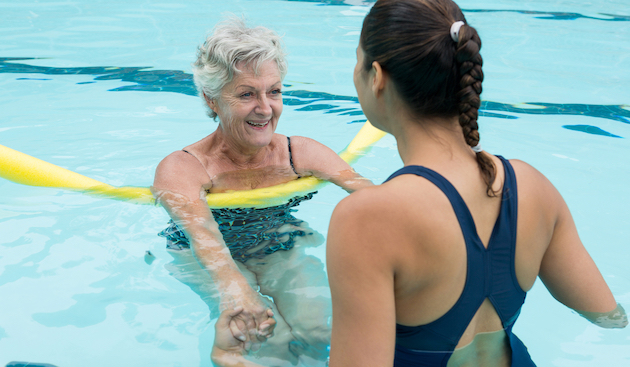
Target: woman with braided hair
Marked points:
431	268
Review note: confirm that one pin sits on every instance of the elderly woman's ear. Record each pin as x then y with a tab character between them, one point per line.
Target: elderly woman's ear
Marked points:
210	102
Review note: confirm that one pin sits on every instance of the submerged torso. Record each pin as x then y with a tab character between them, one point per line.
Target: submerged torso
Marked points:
249	232
486	349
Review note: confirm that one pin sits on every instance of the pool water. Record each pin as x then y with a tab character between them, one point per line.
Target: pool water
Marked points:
104	88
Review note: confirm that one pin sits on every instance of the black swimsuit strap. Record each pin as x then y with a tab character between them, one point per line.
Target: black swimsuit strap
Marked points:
204	167
291	157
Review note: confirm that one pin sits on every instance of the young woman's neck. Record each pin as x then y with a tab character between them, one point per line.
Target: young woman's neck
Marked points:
425	140
421	140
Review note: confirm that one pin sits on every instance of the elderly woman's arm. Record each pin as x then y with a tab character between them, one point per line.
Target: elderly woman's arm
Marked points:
312	158
179	186
227	351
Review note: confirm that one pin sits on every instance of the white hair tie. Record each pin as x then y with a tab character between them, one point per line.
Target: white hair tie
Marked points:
455	30
477	148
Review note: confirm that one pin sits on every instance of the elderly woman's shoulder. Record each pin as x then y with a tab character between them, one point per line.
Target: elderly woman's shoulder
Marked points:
314	158
302	146
178	158
302	142
180	165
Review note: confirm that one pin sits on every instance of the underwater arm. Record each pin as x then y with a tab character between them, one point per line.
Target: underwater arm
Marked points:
178	188
615	319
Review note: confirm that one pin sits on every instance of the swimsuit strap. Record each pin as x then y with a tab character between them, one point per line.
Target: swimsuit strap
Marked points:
444	333
204	167
490	271
291	157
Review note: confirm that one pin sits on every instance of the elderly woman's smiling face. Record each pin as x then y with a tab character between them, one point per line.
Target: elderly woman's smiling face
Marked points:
250	105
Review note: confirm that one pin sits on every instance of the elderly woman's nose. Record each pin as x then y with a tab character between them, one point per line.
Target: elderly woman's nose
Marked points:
264	107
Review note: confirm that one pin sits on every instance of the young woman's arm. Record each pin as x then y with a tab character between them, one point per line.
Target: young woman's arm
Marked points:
569	272
361	276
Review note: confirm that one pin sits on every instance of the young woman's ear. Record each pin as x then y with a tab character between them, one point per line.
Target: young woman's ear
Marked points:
378	78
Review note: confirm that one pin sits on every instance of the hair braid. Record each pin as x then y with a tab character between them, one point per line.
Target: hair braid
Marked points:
434	75
469	63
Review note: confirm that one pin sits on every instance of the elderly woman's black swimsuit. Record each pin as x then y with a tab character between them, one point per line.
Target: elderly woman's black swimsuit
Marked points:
245	229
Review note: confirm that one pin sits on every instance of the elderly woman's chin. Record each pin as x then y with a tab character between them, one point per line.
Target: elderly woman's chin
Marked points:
256	134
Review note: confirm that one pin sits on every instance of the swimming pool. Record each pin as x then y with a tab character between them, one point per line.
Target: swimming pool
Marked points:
103	88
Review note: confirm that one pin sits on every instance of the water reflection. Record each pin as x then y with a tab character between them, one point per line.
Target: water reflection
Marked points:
175	81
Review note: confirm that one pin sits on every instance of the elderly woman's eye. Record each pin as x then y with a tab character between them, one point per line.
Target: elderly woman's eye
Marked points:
247	94
276	91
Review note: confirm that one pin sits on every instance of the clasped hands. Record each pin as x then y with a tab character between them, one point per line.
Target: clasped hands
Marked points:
233	338
244	324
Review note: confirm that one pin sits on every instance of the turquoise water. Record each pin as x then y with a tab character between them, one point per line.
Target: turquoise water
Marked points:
103	88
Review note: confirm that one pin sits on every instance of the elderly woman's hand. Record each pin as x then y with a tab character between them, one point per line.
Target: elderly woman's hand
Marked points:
253	324
228	349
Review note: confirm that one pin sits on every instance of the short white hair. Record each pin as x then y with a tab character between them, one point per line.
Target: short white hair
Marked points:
231	43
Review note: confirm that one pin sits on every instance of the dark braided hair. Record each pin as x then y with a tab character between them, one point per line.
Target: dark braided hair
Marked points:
434	75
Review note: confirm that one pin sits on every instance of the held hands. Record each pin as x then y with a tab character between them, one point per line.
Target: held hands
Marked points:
227	347
253	323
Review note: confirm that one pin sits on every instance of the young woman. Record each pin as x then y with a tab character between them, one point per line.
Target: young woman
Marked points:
431	268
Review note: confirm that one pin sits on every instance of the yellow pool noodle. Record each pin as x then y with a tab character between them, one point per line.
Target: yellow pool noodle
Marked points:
27	170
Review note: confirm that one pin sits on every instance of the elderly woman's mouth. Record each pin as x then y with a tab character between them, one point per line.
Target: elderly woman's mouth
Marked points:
258	124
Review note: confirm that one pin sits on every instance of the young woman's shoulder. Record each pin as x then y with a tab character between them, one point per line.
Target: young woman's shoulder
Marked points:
392	209
365	204
533	186
404	196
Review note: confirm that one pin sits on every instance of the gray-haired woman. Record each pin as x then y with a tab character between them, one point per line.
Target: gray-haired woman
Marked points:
239	73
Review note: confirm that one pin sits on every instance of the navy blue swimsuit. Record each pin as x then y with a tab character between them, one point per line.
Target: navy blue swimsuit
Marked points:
490	274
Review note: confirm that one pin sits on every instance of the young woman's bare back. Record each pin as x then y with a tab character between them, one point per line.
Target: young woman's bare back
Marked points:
410	236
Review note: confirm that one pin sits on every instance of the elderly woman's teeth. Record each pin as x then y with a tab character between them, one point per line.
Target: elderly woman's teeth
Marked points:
257	124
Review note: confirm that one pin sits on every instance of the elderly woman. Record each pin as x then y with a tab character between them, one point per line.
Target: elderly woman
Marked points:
239	73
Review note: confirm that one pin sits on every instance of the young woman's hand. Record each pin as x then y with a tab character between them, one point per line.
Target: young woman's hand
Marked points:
229	337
